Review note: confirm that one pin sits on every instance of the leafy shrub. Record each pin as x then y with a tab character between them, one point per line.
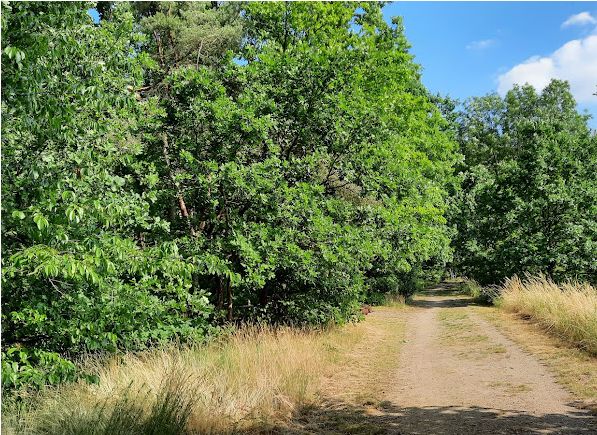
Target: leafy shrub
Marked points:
23	367
471	288
397	287
484	294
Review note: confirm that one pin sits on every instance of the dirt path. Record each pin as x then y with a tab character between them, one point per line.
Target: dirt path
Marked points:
463	367
457	374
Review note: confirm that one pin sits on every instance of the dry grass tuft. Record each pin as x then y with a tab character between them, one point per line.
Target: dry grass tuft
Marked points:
394	300
567	310
257	376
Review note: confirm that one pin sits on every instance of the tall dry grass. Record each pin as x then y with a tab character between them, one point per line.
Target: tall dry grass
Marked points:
254	378
568	310
394	300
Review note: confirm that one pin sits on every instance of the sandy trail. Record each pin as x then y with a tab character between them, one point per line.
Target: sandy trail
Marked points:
461	366
457	374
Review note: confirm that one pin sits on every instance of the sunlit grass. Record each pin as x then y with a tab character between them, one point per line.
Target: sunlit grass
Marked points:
394	300
256	376
567	310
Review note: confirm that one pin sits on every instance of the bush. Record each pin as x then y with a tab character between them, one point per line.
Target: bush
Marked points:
482	294
23	368
471	288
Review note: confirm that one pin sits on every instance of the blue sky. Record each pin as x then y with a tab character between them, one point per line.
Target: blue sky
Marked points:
473	48
94	14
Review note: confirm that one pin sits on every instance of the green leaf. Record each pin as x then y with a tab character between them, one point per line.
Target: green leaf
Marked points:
71	213
17	214
40	221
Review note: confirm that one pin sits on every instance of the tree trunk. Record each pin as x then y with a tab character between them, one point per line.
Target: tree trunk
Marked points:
181	204
263	296
220	295
230	303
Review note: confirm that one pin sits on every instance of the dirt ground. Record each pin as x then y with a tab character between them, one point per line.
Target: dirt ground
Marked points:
455	373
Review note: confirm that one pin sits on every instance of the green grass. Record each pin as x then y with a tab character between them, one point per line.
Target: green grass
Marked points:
470	288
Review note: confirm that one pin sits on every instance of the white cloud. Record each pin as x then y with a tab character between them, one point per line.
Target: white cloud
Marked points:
575	61
481	45
580	20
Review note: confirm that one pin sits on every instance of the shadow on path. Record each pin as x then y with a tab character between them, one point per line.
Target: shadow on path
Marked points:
390	419
442	303
445	295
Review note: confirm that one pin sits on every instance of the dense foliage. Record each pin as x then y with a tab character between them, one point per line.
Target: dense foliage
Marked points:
292	208
179	164
79	274
529	189
182	165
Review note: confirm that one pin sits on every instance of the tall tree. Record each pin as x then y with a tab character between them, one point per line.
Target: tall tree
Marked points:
313	166
529	196
81	270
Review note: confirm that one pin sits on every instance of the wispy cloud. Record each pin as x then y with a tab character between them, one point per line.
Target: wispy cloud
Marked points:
481	45
581	19
575	61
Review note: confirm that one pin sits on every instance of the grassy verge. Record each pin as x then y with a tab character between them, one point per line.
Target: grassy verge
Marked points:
256	374
361	376
568	311
255	379
358	384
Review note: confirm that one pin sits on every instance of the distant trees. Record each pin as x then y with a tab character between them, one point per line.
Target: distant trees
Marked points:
529	187
184	163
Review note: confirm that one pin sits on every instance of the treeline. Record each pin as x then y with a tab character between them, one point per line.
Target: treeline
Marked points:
179	165
528	198
183	164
